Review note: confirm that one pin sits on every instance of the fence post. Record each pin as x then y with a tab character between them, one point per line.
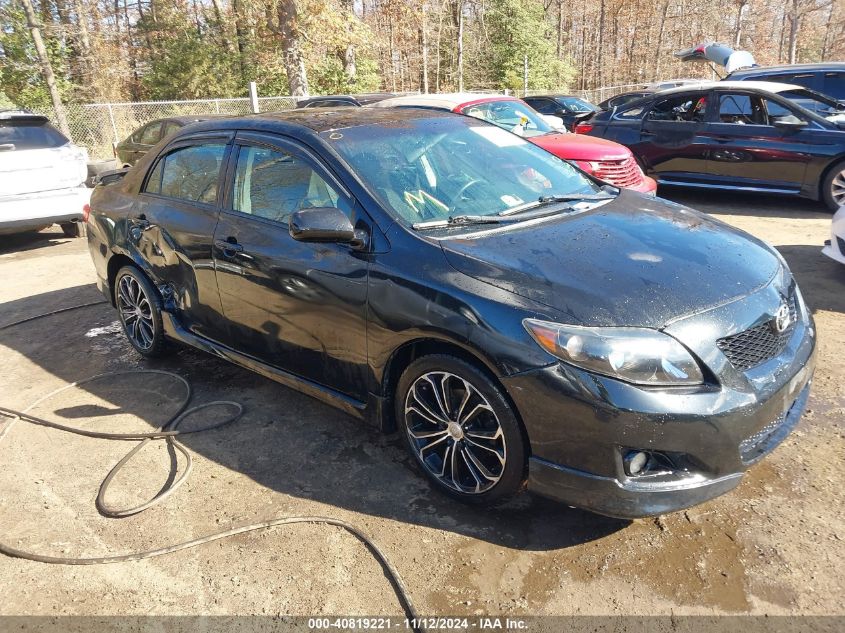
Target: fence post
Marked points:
253	96
217	106
113	126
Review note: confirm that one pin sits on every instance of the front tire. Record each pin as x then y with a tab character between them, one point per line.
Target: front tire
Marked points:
833	187
139	306
461	430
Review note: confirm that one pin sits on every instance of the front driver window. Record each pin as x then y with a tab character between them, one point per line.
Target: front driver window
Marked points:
741	109
272	184
779	112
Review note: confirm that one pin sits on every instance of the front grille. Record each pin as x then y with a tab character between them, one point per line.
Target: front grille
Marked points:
621	173
756	345
757	446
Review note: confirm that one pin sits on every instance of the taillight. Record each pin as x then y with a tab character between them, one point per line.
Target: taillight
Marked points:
86	211
584	128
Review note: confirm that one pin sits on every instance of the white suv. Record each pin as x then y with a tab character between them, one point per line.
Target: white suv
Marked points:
42	176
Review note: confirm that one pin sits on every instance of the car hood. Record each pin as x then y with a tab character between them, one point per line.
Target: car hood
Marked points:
580	147
634	261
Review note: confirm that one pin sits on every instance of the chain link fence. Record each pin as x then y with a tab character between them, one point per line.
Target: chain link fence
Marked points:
98	126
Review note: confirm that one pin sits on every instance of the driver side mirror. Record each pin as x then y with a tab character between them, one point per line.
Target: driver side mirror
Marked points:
789	123
324	224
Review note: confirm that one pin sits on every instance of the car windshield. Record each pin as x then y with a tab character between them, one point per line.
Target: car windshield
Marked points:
514	116
817	103
574	104
435	168
27	134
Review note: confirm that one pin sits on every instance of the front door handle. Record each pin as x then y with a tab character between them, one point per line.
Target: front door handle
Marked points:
229	246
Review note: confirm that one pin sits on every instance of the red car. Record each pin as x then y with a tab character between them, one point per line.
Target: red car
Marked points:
606	160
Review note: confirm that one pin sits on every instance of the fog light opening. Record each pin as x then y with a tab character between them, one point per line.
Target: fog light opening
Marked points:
635	461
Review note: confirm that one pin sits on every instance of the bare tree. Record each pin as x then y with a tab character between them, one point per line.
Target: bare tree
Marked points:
797	10
46	66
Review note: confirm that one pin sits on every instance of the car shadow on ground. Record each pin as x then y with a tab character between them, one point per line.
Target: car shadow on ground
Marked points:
746	203
821	279
285	441
32	240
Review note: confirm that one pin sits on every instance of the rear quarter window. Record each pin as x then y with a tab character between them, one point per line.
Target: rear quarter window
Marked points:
21	135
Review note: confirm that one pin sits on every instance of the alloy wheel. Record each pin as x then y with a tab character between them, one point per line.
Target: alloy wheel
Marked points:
136	312
837	188
455	432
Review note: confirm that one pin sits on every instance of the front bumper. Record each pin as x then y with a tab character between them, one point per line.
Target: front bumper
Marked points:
835	249
624	497
581	425
36	210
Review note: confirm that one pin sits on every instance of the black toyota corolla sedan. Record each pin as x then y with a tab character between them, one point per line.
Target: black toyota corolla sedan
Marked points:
517	321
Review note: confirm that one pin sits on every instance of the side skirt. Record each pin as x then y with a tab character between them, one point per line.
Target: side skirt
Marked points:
350	406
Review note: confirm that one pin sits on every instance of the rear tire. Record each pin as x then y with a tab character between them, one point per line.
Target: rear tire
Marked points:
833	187
139	306
73	229
461	430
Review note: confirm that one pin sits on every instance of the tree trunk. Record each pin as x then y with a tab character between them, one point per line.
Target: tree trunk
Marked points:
424	51
46	67
292	48
740	11
460	46
794	23
658	53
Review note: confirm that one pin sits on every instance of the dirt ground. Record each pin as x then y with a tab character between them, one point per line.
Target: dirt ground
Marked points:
773	546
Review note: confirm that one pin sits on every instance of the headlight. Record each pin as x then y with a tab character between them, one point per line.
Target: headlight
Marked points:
637	355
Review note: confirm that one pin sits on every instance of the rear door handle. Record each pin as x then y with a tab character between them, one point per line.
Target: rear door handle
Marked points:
228	248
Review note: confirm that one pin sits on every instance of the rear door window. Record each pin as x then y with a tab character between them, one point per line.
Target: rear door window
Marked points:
189	173
20	135
150	134
169	128
684	108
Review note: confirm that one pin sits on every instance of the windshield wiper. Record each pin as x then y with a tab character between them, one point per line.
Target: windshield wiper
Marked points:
567	197
459	220
575	197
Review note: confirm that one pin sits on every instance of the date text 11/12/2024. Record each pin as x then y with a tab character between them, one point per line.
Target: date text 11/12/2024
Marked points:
422	623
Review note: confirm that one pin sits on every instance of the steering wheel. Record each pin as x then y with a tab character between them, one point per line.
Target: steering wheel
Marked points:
460	193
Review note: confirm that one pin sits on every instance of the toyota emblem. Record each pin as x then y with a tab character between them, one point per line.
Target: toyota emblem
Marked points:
782	319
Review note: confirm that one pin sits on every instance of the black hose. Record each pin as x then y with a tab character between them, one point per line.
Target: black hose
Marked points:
169	432
46	314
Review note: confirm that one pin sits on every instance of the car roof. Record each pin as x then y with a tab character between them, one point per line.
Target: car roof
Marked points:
798	68
767	86
318	120
555	96
189	118
22	115
445	101
363	98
